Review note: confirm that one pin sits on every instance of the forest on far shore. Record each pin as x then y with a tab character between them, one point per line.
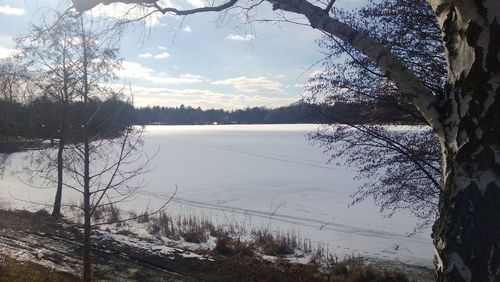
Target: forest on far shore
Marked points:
299	112
39	118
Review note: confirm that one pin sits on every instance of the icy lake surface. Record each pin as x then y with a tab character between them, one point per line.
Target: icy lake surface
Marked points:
258	175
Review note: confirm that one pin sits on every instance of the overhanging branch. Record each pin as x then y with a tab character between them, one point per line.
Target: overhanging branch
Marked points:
85	5
330	5
404	78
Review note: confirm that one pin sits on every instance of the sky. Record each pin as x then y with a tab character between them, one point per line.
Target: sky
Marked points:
203	60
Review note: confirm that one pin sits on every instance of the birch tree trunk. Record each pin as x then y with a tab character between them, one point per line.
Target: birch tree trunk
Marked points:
87	260
64	99
56	211
467	232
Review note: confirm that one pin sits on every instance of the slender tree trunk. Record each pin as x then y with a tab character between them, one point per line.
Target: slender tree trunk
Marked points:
56	212
87	266
87	260
64	99
467	232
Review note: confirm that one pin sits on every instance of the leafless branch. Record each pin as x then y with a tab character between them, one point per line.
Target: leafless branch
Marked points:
159	210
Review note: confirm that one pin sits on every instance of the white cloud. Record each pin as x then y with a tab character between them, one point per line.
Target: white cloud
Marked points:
162	47
197	3
236	37
191	76
133	70
6	41
187	29
251	85
300	85
206	99
8	10
161	56
5	52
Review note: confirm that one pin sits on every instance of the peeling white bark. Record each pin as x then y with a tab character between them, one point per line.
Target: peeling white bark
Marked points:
456	67
438	262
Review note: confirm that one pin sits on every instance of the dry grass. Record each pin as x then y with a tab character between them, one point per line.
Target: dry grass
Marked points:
353	270
162	225
191	229
143	217
227	246
198	229
323	266
234	259
107	213
275	244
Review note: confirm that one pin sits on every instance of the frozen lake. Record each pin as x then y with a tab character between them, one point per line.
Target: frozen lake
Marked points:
246	173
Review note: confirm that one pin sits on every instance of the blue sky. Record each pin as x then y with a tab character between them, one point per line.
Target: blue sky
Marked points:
200	60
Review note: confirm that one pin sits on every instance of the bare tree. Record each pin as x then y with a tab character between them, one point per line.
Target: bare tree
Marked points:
464	116
12	92
50	54
10	81
71	61
102	167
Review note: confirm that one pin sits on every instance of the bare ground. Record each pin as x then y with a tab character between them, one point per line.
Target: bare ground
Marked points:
39	238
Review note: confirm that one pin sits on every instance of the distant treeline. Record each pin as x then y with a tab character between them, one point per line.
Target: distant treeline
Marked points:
296	113
355	113
41	118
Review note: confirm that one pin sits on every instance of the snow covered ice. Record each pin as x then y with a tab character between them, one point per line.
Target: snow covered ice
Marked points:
258	175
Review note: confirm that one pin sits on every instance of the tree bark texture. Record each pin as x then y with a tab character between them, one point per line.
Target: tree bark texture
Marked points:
56	212
87	260
467	232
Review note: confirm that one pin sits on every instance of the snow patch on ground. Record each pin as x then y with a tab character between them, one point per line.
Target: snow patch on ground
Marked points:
151	247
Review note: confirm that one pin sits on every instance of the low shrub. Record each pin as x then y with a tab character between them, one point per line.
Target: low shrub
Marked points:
143	217
353	269
227	246
194	234
275	244
162	225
